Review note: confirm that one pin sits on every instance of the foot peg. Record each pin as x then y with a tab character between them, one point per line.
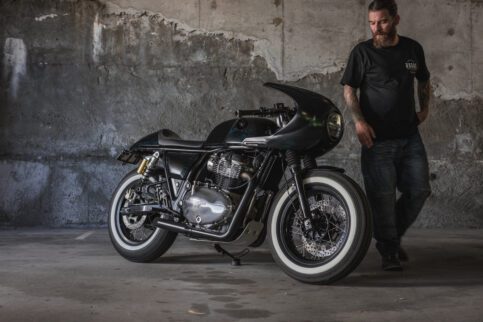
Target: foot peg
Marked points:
235	258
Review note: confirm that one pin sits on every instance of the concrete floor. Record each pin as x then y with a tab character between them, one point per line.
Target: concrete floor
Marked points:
76	275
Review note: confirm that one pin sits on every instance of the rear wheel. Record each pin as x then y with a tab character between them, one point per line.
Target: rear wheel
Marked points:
340	234
134	236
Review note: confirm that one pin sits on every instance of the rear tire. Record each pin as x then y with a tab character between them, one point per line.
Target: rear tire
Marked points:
342	228
138	244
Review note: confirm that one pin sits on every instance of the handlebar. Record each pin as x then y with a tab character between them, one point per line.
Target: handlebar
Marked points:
242	113
278	109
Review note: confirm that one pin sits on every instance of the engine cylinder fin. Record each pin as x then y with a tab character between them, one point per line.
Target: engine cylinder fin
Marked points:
227	169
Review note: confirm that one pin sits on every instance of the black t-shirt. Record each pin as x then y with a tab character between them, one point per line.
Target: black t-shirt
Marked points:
385	77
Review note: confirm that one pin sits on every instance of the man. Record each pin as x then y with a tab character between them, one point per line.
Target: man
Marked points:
386	122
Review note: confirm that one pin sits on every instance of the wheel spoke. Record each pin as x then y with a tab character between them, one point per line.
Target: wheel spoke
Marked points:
136	229
337	226
330	227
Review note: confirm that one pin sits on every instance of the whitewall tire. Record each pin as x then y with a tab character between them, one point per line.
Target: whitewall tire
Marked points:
153	241
341	234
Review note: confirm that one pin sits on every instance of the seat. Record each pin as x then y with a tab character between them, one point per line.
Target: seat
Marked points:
181	144
169	139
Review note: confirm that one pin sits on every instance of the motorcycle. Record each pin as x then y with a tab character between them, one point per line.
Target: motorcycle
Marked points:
254	176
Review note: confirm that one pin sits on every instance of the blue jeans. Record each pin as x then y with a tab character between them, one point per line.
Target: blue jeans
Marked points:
389	165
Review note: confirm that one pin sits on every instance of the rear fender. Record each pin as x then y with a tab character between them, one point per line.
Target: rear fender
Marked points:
128	156
133	157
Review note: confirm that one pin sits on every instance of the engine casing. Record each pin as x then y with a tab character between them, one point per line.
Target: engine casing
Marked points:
206	205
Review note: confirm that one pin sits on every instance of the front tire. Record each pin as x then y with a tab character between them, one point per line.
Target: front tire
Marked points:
135	238
342	228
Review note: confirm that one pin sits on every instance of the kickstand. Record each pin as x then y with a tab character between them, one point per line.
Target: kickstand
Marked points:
235	258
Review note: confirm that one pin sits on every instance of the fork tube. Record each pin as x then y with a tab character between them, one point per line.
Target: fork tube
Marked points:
294	165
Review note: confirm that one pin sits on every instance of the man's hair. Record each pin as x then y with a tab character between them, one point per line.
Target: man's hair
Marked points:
389	5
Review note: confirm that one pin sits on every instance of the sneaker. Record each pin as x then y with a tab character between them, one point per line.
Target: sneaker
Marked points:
403	256
391	263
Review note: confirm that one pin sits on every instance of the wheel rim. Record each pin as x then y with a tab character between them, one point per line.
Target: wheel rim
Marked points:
131	232
280	248
331	225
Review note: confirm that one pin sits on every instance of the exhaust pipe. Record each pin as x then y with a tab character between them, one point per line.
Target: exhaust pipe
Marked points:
169	225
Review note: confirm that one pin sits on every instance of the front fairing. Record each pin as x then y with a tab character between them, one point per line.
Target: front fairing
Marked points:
307	130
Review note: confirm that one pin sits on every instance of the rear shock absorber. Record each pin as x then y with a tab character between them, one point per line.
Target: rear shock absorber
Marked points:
148	164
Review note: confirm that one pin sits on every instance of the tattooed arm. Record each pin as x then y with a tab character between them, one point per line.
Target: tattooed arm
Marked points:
424	93
364	131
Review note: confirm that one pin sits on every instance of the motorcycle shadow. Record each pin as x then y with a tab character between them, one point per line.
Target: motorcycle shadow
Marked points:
431	263
459	264
252	258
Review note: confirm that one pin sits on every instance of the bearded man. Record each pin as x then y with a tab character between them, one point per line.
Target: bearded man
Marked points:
386	122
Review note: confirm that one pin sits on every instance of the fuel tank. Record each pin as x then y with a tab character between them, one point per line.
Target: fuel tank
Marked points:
234	131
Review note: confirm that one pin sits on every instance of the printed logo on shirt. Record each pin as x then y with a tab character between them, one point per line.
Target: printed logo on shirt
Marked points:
411	66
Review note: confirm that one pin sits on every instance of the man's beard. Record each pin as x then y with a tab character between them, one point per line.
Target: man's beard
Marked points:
381	39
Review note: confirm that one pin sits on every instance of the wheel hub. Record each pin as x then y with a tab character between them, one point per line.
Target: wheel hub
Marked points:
321	241
133	221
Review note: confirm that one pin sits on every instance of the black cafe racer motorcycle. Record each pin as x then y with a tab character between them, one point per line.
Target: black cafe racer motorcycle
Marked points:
252	177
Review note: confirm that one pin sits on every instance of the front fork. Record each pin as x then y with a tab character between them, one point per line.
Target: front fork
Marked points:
293	161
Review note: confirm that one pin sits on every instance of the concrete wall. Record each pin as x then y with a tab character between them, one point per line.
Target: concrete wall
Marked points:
82	79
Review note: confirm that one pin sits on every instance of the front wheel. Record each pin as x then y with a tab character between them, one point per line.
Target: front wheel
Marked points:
134	236
340	234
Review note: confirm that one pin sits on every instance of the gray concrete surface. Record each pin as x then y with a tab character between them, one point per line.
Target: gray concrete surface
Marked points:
80	80
76	275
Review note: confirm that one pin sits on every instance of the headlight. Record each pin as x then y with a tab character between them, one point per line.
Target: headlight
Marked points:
334	126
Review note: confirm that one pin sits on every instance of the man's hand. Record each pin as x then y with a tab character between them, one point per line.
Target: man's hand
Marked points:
422	115
424	93
365	133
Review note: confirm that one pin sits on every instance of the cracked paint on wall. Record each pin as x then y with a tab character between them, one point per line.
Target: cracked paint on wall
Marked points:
14	63
265	45
264	48
96	39
44	17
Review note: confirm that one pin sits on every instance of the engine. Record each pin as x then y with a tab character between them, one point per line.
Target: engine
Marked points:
230	170
212	203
